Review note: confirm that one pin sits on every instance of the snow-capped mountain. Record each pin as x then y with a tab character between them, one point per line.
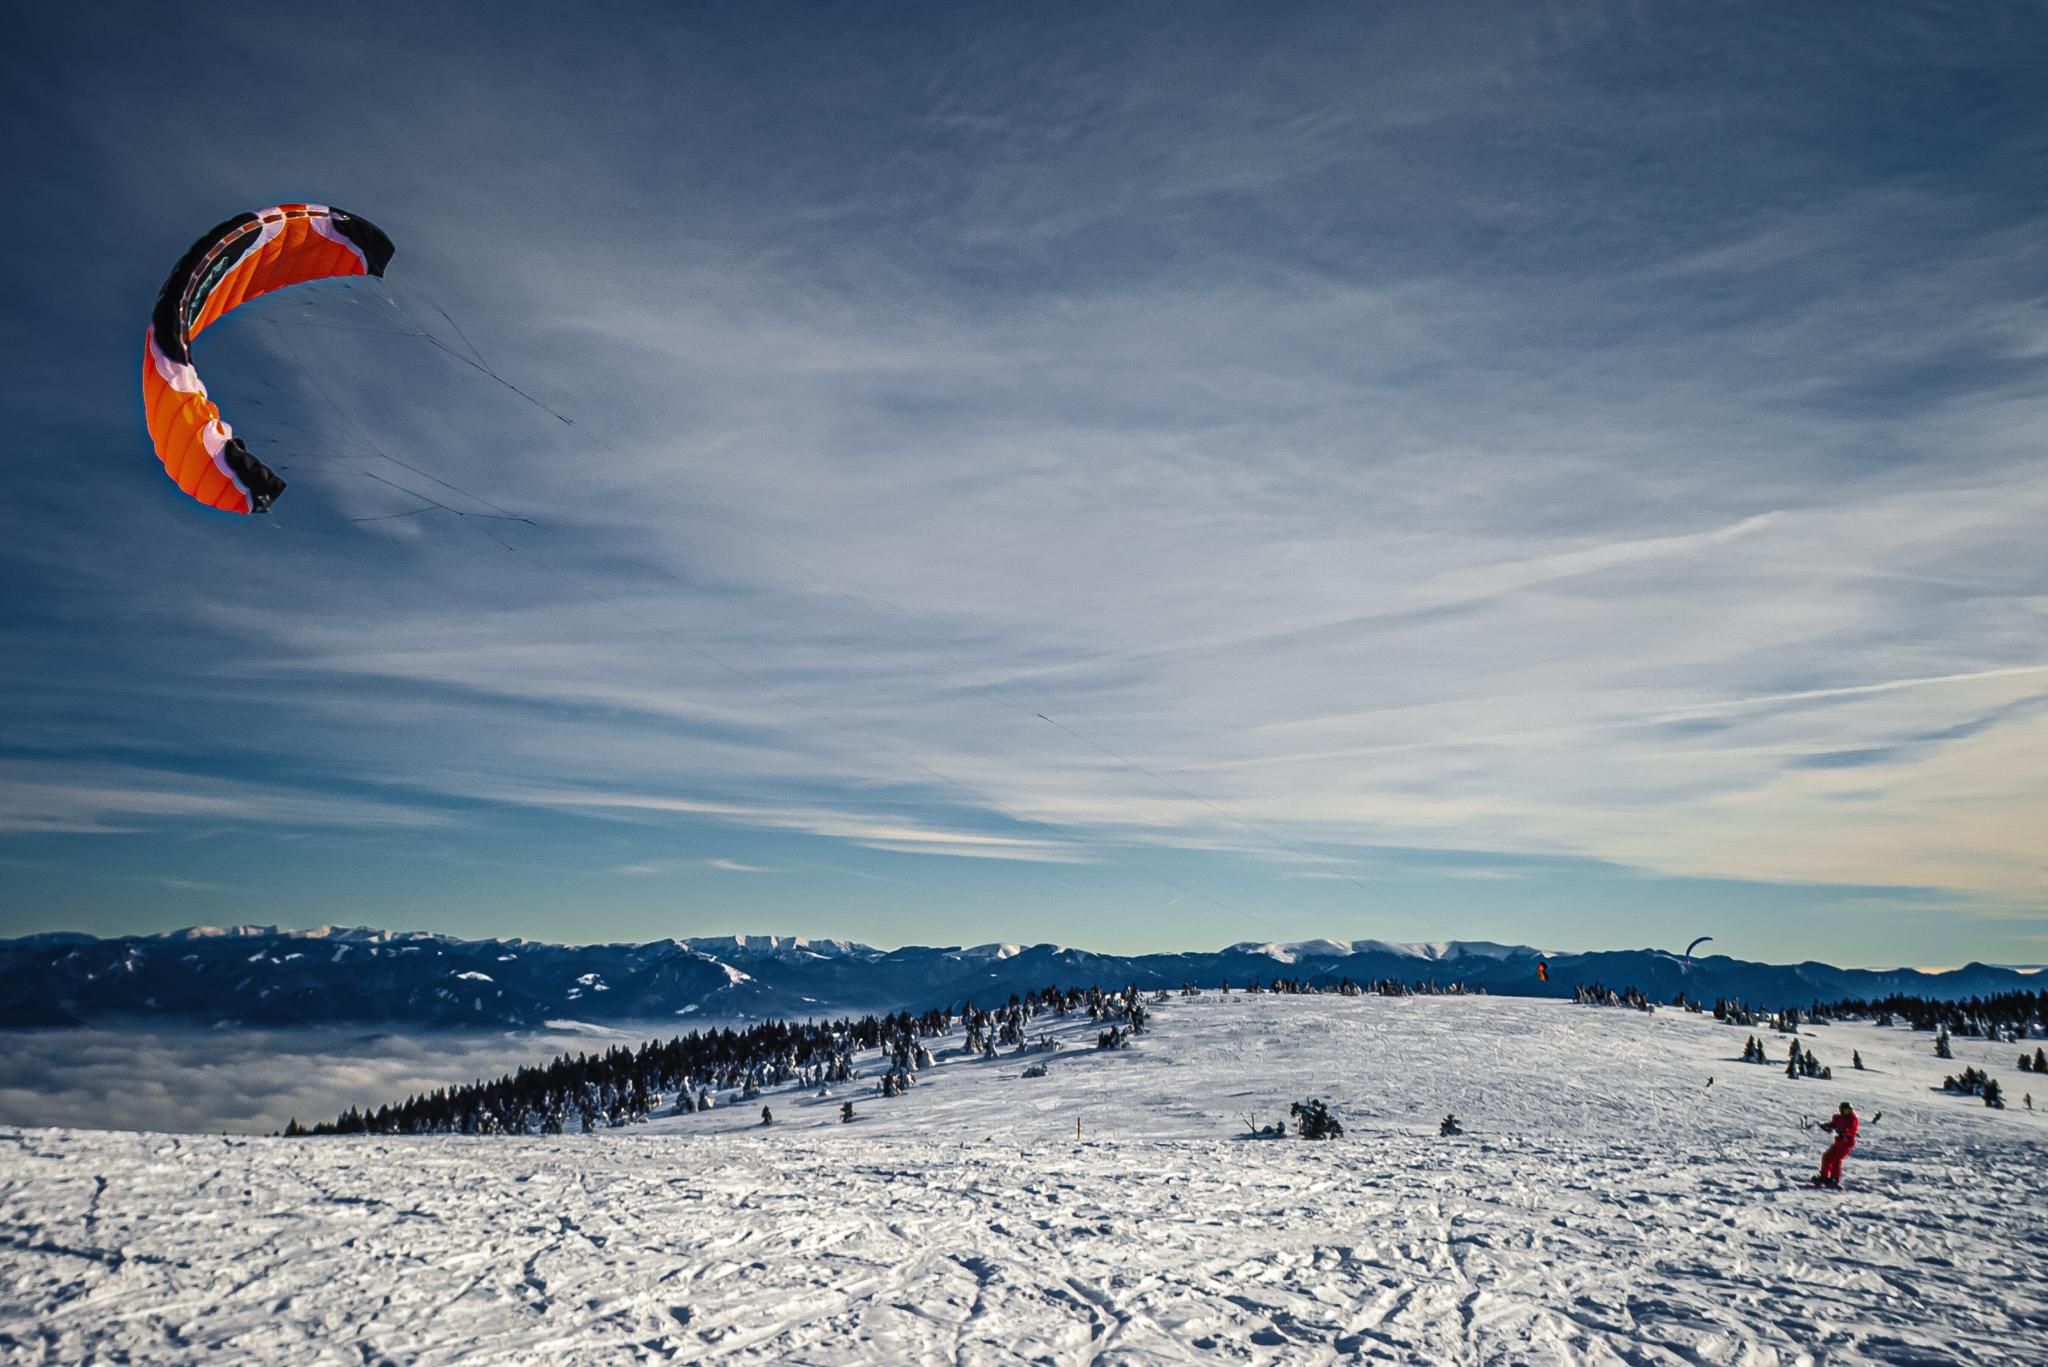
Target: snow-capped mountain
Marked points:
1435	951
270	976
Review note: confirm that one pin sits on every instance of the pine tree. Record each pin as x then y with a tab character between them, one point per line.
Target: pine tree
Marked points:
1314	1120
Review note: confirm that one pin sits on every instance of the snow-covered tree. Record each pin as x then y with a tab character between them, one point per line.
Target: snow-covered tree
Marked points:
1314	1121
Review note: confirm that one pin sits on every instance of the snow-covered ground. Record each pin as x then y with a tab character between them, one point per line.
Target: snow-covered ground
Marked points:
1605	1206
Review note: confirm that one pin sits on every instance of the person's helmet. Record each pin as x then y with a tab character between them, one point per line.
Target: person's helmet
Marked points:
1847	1109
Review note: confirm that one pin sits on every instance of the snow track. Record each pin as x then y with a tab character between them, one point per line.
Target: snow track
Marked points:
1606	1207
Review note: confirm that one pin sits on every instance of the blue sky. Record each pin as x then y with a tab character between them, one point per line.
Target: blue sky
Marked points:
1142	479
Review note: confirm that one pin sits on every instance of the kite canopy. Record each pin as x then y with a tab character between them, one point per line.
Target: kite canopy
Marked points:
249	255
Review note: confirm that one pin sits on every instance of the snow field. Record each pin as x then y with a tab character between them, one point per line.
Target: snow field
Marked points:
1605	1206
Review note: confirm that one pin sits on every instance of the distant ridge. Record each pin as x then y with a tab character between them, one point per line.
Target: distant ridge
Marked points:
264	975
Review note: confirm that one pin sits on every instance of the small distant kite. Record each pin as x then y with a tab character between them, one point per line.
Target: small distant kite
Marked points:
1684	961
249	255
1542	971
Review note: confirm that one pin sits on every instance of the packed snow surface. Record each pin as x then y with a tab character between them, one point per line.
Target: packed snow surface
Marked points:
1605	1206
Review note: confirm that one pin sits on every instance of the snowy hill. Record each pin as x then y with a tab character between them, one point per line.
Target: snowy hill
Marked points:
1605	1206
261	975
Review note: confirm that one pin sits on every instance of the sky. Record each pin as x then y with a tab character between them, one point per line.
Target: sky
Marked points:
1140	477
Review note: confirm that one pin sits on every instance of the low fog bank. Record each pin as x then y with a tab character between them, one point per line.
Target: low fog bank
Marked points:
253	1081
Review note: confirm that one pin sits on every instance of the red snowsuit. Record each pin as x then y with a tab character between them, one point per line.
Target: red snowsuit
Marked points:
1844	1127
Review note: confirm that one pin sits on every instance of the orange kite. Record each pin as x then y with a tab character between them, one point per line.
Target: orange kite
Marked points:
249	255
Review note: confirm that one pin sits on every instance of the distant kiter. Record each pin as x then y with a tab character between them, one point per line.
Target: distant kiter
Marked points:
1843	1126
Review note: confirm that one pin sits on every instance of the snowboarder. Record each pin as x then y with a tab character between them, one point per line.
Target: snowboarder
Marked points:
1843	1127
767	1116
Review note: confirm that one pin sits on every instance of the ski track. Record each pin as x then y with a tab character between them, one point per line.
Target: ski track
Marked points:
1605	1207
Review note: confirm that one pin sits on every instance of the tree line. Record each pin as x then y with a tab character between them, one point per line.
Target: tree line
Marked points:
624	1084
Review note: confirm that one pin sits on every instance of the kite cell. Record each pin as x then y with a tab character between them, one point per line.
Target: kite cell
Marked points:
249	255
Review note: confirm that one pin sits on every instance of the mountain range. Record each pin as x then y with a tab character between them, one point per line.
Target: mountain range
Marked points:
262	975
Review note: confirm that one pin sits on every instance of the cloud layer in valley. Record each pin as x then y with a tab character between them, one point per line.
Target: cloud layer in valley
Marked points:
248	1081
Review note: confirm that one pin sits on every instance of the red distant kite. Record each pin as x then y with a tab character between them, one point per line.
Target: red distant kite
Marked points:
1542	971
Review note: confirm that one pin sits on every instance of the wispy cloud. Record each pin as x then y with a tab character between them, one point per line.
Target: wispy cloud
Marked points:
897	834
70	797
194	885
1096	451
646	868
